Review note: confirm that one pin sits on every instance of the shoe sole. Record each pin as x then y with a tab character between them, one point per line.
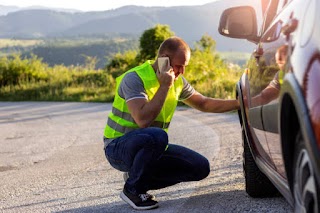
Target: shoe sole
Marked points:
127	200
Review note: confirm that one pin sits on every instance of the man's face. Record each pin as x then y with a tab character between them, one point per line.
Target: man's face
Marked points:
179	62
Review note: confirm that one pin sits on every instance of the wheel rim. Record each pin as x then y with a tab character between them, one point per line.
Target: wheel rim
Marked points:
305	190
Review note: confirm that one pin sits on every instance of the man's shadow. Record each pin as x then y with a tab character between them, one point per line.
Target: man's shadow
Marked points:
220	202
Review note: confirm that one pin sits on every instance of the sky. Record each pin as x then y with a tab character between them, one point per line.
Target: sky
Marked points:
99	5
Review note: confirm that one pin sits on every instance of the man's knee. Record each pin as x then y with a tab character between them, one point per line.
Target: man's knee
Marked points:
159	137
202	169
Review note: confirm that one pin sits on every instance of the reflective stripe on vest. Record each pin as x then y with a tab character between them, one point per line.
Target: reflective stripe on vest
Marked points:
128	117
120	120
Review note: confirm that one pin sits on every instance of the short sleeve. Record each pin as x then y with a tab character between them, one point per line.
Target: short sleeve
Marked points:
187	90
131	87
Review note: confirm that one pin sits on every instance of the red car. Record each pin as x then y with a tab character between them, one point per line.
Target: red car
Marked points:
279	94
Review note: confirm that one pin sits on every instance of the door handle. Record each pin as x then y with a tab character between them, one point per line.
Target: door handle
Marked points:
290	27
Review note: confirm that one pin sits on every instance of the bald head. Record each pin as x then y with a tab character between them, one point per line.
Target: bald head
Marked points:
173	45
178	52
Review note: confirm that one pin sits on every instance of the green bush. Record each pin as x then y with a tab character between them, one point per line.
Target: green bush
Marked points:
15	71
23	79
30	79
208	73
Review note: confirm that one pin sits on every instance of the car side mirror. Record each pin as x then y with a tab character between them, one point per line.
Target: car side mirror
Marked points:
239	22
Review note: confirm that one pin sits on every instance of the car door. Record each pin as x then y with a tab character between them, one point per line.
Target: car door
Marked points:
260	73
271	110
271	77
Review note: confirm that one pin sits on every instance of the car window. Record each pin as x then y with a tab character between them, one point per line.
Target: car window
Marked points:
270	13
282	4
273	33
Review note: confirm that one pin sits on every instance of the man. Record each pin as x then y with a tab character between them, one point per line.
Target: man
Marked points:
136	139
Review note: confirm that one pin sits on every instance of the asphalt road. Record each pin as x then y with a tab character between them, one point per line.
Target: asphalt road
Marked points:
52	160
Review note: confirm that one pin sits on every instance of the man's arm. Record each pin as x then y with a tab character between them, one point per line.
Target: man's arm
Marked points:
145	111
207	104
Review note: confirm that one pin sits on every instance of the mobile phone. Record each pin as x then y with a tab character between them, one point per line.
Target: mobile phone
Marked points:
163	64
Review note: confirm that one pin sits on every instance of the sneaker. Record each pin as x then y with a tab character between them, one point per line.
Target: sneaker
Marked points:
125	178
139	202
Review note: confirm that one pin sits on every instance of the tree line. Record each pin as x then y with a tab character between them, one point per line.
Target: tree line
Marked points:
30	78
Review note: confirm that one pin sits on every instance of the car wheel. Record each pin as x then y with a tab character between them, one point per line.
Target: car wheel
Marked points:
305	188
257	183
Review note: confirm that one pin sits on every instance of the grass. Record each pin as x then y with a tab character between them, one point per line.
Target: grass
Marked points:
19	42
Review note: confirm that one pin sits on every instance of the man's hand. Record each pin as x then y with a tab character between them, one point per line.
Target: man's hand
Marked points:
166	79
207	104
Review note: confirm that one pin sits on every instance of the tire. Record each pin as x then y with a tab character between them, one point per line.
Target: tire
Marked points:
257	184
305	186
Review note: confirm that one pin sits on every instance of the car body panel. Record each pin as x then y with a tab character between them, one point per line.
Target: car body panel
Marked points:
272	117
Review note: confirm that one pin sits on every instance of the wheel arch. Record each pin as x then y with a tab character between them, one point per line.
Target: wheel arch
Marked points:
289	126
242	115
239	96
294	117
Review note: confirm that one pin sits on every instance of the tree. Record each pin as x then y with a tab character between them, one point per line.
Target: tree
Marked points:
150	41
205	64
206	43
121	63
90	62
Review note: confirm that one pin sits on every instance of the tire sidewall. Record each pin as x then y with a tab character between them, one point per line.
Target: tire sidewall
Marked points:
302	157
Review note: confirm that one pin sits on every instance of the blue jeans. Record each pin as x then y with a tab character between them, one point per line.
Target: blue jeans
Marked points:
142	153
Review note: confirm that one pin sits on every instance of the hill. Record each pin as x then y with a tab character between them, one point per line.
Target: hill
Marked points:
189	22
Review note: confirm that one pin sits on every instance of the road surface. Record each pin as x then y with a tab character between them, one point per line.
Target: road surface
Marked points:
52	160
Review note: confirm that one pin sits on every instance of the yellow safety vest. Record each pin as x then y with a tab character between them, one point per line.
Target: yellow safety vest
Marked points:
120	120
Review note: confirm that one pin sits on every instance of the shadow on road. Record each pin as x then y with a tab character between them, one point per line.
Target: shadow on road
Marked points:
222	202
